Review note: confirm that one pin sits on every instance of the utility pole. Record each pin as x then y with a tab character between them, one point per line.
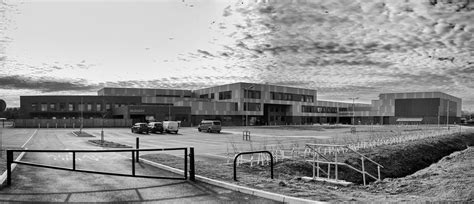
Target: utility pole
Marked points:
353	109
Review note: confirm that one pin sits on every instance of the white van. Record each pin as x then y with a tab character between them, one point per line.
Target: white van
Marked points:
171	126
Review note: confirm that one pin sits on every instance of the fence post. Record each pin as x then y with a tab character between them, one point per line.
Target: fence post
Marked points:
138	147
9	166
363	169
335	160
186	164
73	160
378	170
192	172
133	163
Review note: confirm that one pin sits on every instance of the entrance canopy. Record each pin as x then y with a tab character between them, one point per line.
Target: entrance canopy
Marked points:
409	119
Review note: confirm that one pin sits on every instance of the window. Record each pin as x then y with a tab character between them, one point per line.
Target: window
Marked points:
236	107
204	96
52	106
212	95
252	94
116	105
343	109
291	97
98	107
81	107
252	107
89	107
71	107
225	95
107	106
44	107
34	107
318	109
62	106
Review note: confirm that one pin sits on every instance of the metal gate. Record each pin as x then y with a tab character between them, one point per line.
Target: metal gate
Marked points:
134	154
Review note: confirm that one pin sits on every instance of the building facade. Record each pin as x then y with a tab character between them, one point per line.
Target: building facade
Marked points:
244	104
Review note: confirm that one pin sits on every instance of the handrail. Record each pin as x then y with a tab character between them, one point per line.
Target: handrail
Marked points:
346	146
134	152
329	162
344	164
254	152
365	157
320	154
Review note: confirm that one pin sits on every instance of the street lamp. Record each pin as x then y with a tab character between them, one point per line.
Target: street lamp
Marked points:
246	105
82	115
353	109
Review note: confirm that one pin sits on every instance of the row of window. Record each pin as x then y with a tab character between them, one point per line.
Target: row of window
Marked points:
225	95
318	109
291	97
252	107
207	96
252	94
74	106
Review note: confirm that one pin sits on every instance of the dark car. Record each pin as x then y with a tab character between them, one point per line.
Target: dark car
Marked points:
140	128
155	127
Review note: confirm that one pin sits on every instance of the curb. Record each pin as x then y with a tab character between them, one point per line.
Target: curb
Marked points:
3	177
234	187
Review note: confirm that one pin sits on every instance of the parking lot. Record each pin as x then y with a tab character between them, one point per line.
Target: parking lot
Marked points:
48	185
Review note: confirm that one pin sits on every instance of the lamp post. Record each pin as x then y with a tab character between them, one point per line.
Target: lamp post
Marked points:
82	114
447	114
169	112
104	113
353	109
246	105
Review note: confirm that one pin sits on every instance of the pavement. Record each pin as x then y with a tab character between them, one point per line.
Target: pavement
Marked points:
34	184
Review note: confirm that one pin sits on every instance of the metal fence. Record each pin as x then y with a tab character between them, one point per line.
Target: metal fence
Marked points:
71	123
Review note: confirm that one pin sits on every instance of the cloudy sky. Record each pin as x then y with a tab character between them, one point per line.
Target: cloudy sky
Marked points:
342	48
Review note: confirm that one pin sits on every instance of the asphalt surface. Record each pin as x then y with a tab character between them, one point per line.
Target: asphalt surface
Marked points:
35	184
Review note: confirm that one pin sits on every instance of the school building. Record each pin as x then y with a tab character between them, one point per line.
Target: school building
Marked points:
241	104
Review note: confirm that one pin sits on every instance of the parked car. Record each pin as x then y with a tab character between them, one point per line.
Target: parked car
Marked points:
210	126
171	126
140	128
155	127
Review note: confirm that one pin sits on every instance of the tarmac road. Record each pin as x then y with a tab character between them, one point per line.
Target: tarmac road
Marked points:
34	184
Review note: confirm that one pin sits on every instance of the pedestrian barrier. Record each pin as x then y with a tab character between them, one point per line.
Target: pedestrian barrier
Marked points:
134	152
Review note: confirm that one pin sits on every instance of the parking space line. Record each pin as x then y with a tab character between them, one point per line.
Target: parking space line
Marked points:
34	133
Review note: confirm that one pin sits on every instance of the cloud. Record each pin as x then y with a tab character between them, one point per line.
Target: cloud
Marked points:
351	47
43	84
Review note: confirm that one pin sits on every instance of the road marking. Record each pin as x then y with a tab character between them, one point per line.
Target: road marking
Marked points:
29	138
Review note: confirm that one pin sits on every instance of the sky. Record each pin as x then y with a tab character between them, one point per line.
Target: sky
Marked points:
341	48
